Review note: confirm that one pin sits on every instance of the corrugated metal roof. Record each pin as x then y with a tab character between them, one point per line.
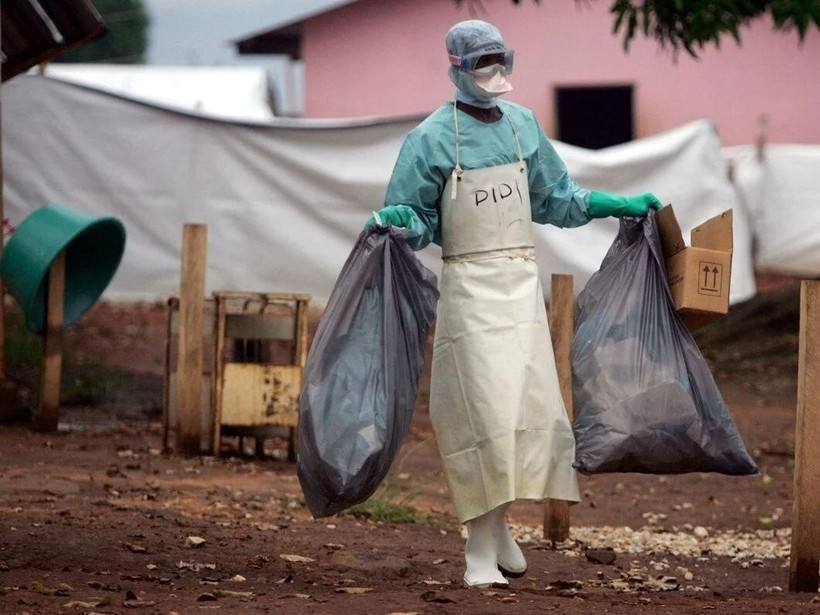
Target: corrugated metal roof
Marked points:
285	36
34	31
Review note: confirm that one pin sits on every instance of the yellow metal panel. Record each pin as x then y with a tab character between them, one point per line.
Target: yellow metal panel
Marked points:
254	394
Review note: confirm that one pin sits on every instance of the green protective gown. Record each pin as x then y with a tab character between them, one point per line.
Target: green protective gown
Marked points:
427	158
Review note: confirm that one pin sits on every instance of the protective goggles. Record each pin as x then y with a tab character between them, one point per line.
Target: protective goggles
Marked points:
484	62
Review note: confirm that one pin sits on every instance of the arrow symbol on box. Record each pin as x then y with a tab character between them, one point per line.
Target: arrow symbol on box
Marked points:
706	271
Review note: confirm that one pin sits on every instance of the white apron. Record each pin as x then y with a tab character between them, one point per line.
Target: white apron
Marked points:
495	401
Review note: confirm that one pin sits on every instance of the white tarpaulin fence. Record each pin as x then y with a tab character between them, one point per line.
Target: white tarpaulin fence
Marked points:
780	187
284	200
683	167
221	92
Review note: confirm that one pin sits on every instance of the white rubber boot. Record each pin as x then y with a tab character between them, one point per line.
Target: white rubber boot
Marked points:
511	562
481	554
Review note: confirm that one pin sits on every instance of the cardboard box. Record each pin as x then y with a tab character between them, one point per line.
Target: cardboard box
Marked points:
699	275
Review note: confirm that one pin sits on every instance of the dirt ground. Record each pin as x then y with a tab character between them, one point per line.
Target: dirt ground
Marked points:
97	518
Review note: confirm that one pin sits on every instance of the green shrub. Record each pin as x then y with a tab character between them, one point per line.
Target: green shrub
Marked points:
388	506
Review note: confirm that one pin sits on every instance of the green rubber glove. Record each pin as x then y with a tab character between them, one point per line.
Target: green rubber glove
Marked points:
603	204
398	215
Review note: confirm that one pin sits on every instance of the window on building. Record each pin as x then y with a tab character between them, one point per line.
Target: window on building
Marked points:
594	116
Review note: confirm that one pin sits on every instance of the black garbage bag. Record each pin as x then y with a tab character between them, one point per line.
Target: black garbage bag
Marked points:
362	372
644	399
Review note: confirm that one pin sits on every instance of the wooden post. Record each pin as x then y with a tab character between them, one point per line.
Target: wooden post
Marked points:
173	306
2	247
805	549
189	362
300	334
300	350
562	326
220	306
48	414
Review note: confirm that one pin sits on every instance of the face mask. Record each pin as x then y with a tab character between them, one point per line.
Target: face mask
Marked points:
494	84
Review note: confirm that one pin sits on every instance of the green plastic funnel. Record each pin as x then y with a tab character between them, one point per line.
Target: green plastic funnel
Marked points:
93	250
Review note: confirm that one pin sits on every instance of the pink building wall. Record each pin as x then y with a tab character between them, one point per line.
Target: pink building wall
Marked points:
375	57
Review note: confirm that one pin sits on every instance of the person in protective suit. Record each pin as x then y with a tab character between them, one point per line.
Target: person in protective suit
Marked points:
473	177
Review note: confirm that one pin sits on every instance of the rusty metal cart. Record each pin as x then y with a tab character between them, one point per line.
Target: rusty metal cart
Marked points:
260	347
